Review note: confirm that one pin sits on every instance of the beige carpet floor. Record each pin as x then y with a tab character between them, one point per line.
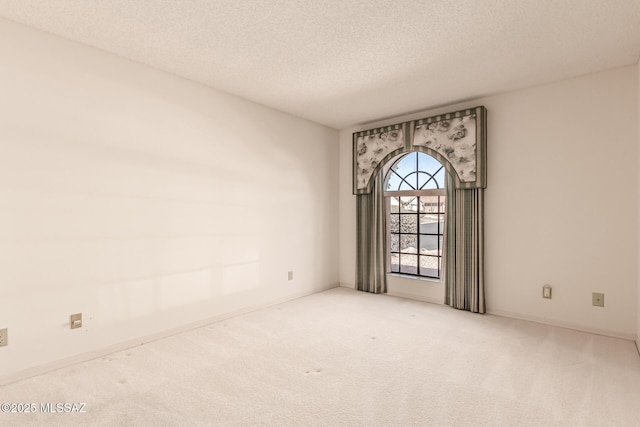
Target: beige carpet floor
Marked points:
346	358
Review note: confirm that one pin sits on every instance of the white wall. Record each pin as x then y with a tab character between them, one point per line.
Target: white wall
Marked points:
638	279
561	202
146	202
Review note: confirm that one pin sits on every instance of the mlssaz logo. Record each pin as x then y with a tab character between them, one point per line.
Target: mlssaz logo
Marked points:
62	407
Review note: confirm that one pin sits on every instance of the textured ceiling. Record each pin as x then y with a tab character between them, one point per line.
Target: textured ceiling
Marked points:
341	62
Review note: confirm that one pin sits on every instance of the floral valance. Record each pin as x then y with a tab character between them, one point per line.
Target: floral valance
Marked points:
457	140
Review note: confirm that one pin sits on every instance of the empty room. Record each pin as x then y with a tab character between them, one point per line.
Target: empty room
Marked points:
319	213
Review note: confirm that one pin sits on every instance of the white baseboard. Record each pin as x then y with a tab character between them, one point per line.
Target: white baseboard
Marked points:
84	357
347	285
566	325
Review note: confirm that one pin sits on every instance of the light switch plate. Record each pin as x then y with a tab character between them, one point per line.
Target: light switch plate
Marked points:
76	321
4	337
546	291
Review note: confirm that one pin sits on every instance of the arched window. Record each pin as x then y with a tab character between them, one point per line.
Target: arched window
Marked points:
415	205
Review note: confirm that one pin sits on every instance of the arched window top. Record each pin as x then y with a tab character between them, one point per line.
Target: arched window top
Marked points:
415	171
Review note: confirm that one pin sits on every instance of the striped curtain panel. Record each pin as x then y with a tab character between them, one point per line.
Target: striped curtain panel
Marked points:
371	244
464	255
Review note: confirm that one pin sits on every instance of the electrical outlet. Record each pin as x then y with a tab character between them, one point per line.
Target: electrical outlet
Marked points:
546	291
597	299
4	337
290	275
76	321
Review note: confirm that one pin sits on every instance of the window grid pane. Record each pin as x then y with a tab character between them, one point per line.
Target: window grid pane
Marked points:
395	263
394	223
409	264
416	236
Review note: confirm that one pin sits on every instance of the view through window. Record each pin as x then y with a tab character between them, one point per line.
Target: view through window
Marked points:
415	206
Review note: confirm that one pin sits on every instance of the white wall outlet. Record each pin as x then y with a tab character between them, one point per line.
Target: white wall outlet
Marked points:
290	275
597	299
546	291
76	321
4	337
